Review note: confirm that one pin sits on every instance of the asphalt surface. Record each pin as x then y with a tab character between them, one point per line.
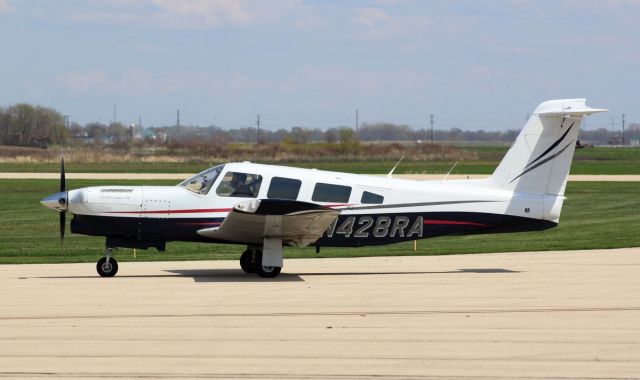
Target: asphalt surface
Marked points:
569	315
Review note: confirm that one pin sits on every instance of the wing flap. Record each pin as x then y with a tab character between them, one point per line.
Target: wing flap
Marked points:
296	223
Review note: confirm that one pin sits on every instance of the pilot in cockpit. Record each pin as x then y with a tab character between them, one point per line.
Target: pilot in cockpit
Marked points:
204	183
240	187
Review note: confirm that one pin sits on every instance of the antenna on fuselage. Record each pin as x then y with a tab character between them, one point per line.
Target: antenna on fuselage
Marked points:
394	168
449	172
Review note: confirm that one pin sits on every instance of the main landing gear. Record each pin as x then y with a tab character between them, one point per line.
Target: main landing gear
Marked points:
251	262
107	266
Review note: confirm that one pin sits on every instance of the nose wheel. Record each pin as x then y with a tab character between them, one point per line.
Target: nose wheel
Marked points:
107	266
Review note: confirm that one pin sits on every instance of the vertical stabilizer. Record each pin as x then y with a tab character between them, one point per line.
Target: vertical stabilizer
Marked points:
539	160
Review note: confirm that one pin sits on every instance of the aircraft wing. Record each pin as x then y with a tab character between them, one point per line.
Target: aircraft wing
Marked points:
296	223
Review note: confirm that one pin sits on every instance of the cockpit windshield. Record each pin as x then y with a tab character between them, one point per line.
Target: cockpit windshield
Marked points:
201	183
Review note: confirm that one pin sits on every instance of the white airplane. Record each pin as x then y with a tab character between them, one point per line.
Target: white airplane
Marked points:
266	207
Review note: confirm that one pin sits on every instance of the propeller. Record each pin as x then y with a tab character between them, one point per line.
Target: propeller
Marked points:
59	202
63	219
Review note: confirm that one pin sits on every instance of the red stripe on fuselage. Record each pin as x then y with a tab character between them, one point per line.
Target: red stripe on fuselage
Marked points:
201	224
193	211
455	222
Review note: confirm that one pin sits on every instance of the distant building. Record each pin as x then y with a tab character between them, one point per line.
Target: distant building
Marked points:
615	140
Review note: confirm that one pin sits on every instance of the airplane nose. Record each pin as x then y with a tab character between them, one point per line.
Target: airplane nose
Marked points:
57	201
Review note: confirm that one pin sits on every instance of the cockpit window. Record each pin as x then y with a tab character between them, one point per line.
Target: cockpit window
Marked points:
201	183
236	184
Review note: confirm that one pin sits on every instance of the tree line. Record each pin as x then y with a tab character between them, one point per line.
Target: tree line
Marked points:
29	125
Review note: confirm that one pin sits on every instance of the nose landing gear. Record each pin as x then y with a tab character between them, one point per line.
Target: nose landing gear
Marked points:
107	266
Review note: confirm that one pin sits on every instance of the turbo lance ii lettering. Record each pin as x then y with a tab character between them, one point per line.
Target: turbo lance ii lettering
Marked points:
265	207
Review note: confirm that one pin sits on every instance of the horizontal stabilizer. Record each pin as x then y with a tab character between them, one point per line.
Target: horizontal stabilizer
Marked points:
568	107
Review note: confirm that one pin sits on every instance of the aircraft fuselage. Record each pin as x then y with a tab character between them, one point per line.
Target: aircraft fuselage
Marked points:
403	209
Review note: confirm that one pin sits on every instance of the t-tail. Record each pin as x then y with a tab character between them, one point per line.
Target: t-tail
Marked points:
539	160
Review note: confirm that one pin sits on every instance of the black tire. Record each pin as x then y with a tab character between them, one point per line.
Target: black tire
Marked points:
105	270
247	262
266	271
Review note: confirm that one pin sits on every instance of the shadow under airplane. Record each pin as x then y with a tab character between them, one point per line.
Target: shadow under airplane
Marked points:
237	275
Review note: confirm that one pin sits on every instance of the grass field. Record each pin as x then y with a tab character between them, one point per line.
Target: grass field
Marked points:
586	161
595	215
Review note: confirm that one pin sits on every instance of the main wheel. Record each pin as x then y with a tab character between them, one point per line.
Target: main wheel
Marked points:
265	271
107	269
247	262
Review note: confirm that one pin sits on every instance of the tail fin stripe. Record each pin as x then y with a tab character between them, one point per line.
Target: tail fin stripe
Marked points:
544	161
555	144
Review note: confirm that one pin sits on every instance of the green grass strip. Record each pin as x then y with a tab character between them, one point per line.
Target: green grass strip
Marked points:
595	215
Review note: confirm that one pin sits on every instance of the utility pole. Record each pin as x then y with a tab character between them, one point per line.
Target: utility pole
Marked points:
258	125
66	125
178	118
115	110
357	125
140	121
431	122
622	129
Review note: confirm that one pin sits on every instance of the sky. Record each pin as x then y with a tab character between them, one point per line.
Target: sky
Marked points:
474	64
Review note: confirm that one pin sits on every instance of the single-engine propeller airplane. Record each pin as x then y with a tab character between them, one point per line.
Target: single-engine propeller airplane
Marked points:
266	207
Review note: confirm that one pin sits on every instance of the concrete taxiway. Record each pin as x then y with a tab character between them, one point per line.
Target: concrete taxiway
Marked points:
572	314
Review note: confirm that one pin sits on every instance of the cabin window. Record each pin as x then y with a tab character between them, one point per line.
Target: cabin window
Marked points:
284	188
371	198
324	192
236	184
201	183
